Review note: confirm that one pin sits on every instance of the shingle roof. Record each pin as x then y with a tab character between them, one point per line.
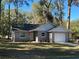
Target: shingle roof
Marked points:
59	29
45	27
26	27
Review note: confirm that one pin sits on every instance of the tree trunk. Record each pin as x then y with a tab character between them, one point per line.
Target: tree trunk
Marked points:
9	21
69	13
60	12
16	11
0	16
0	9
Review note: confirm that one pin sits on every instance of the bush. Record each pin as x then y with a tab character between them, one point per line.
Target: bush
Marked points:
71	41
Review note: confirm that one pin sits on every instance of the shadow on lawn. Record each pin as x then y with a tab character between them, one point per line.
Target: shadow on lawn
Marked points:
5	46
38	53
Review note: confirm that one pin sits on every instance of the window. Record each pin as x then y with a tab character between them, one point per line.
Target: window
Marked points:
22	35
43	34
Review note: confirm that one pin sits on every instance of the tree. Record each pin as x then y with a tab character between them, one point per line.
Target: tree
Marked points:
37	13
59	10
47	5
70	3
7	19
17	4
0	9
0	14
75	28
9	26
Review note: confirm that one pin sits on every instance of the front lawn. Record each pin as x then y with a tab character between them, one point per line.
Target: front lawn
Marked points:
37	51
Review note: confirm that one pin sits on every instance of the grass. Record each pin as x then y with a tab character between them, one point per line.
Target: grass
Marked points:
37	51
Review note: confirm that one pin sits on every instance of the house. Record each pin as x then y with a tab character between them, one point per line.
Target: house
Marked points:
59	34
23	32
41	32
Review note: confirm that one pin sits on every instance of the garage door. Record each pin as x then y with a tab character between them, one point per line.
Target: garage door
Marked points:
59	37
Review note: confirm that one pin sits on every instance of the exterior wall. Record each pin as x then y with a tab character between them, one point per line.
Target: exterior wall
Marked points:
23	36
42	36
67	37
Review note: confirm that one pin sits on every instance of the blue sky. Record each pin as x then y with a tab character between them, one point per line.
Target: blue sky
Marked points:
74	14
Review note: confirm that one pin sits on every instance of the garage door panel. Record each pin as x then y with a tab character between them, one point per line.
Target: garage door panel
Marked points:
59	37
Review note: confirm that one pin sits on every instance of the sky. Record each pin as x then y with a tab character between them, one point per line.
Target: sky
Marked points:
74	10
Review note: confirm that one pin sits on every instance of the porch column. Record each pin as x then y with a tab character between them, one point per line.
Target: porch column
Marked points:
51	37
37	39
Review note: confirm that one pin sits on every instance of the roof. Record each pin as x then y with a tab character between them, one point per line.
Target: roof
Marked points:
26	27
45	27
59	29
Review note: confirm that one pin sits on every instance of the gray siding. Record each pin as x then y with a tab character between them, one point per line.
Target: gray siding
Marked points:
23	36
42	36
